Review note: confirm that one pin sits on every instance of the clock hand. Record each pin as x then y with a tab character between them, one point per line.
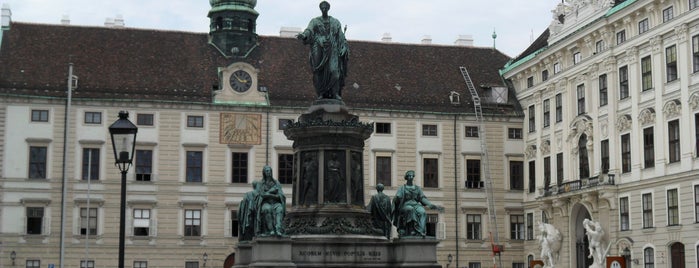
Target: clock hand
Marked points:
238	78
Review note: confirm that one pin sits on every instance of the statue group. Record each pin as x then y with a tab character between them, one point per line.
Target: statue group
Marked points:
550	243
407	212
597	240
262	210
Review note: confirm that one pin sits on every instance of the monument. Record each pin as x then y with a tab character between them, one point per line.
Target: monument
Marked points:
328	224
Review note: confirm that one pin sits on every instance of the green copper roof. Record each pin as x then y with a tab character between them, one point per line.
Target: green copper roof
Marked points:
232	8
619	7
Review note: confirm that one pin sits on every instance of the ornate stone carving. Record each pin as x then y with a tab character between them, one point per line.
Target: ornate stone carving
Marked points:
604	128
632	55
623	122
545	147
646	117
655	43
530	152
681	32
672	109
694	101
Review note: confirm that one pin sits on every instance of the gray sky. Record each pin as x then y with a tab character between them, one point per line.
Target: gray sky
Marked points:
515	21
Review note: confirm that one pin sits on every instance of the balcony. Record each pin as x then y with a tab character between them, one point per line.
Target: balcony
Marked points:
474	185
577	185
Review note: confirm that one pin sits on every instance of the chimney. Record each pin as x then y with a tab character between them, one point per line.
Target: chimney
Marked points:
65	20
427	40
6	14
386	38
119	22
289	31
109	23
465	40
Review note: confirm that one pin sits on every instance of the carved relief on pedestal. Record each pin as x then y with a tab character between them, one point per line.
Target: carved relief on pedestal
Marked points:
604	128
694	101
545	147
530	152
623	123
646	117
672	109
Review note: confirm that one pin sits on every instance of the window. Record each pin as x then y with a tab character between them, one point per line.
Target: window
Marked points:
599	46
33	264
693	4
530	81
696	203
648	258
473	174
473	227
559	169
383	170
602	90
671	63
673	213
577	57
93	118
667	14
141	222
191	264
285	170
518	265
91	164
35	220
87	264
235	224
283	124
625	153
88	221
530	226
383	128
40	115
623	82
696	132
144	165
648	148
583	161
624	213
647	202
192	222
194	166
37	162
581	99
471	132
547	172
514	133
604	155
517	227
431	172
144	119
559	108
431	225
532	121
516	175
556	68
532	176
547	113
643	26
673	137
429	130
544	75
140	264
474	265
646	74
621	37
239	167
195	121
695	52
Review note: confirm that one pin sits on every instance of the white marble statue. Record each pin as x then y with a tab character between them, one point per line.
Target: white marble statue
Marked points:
595	236
550	243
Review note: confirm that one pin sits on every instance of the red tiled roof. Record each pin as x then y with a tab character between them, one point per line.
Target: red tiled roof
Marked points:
180	66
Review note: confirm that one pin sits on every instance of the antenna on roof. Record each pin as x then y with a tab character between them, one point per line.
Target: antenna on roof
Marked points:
494	36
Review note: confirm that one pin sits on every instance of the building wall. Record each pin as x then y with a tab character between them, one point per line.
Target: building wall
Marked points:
665	101
168	195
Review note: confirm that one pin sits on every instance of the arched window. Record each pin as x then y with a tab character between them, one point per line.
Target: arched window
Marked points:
648	258
582	154
677	255
530	258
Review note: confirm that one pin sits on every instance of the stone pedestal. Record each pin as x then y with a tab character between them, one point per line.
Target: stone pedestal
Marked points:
416	253
244	254
271	252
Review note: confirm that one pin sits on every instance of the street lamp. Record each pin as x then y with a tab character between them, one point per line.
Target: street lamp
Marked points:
123	134
205	257
449	259
13	256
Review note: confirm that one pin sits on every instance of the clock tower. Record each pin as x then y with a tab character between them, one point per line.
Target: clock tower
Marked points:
233	27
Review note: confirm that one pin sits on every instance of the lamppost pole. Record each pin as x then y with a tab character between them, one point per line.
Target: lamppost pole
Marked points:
123	134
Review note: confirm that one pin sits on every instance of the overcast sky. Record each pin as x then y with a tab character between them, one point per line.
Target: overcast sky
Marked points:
408	21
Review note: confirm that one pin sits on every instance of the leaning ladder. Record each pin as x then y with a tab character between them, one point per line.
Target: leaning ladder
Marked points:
495	240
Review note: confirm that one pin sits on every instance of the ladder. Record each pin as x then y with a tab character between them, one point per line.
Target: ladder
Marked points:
485	164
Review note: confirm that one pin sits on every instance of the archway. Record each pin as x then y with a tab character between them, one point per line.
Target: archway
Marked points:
677	255
230	261
579	242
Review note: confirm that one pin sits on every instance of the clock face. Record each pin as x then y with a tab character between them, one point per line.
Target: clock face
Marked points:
241	81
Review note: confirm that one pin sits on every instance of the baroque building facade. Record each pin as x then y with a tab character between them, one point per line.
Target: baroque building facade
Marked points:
210	114
610	93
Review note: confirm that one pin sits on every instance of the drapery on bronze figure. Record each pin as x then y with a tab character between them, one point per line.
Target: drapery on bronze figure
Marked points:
329	54
381	212
246	214
271	205
409	215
